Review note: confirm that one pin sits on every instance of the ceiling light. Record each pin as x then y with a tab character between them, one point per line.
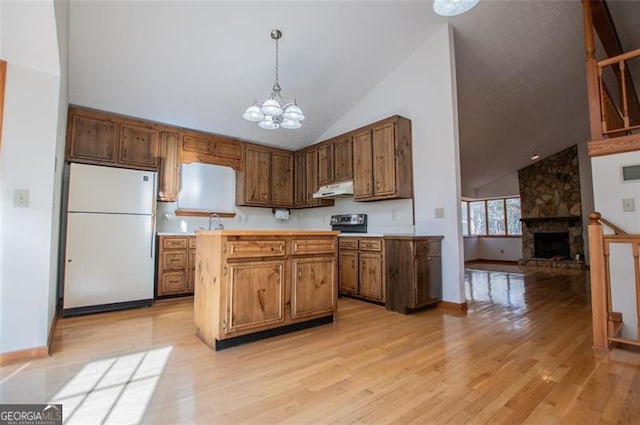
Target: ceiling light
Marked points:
453	7
277	111
535	156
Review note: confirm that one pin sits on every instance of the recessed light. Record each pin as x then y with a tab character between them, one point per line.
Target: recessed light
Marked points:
535	156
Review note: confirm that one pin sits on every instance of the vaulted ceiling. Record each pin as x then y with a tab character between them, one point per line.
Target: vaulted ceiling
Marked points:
520	66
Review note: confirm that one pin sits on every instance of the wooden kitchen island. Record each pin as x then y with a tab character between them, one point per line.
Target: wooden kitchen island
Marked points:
254	284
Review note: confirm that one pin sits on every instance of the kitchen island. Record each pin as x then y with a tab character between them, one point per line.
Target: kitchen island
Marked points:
251	284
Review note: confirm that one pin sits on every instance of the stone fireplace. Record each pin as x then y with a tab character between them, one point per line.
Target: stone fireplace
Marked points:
550	208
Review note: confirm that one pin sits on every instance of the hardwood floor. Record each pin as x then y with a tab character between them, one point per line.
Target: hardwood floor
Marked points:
521	355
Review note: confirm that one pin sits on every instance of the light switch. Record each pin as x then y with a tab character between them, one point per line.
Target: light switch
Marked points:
439	212
21	198
628	205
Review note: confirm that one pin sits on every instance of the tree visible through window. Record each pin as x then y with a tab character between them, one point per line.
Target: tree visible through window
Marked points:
492	217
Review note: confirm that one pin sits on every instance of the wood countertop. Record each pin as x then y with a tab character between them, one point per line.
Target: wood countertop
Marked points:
266	233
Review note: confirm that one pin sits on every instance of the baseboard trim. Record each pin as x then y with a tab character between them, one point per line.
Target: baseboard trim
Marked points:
449	306
24	355
52	329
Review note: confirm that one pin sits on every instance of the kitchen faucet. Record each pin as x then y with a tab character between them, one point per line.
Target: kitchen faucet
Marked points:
218	224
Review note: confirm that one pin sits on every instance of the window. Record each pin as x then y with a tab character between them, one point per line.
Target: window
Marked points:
491	217
465	218
478	218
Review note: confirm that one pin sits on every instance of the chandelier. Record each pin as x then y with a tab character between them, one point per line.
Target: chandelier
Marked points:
277	111
453	7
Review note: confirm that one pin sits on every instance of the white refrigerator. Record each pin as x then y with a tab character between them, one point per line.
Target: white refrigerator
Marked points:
109	257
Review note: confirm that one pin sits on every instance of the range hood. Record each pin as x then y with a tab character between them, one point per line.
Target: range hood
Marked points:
334	190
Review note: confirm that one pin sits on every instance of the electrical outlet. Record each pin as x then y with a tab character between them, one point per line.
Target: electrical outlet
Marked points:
21	198
628	205
439	212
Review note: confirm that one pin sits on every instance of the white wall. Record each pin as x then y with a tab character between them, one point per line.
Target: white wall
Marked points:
608	193
586	193
29	44
423	89
493	248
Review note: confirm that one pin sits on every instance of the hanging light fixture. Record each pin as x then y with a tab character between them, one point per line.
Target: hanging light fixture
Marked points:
453	7
277	111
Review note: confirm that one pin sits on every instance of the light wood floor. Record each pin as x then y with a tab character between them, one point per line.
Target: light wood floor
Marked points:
521	355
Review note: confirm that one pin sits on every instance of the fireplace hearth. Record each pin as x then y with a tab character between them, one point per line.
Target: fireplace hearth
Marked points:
551	245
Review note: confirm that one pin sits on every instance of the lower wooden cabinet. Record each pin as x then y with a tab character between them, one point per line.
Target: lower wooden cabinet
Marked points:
362	268
256	294
413	269
247	284
313	289
176	265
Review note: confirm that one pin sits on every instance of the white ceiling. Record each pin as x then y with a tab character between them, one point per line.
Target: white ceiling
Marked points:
520	67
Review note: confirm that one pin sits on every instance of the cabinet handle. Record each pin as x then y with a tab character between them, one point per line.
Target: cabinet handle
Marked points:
299	273
428	258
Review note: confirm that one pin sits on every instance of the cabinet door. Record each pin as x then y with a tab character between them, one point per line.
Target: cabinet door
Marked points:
384	160
300	180
138	146
348	272
282	179
428	280
371	268
257	184
343	159
363	168
92	139
325	164
169	168
311	169
227	152
255	295
313	286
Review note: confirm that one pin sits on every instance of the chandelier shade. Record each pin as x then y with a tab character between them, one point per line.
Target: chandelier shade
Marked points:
453	7
276	111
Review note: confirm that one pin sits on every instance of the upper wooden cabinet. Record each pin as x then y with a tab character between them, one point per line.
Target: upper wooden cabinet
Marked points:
97	138
343	158
91	138
210	149
325	164
307	179
168	169
138	146
282	179
383	163
267	178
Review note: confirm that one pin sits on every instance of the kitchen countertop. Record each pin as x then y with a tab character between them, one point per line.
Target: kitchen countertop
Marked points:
266	233
175	234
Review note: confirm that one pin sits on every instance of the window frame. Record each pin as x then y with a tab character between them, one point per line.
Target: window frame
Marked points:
486	219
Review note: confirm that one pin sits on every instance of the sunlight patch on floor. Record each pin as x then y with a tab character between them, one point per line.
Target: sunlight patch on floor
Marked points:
116	390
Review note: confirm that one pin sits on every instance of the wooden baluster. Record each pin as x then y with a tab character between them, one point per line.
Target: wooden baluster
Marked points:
636	265
592	73
603	102
599	310
623	87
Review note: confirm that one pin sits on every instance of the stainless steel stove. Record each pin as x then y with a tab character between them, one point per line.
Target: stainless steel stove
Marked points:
349	223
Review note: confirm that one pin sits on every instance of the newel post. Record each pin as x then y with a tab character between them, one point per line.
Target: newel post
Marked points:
598	284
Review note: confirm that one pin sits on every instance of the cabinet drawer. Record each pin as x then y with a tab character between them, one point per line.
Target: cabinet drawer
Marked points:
427	248
174	243
250	249
173	283
173	260
348	243
371	244
314	246
192	243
